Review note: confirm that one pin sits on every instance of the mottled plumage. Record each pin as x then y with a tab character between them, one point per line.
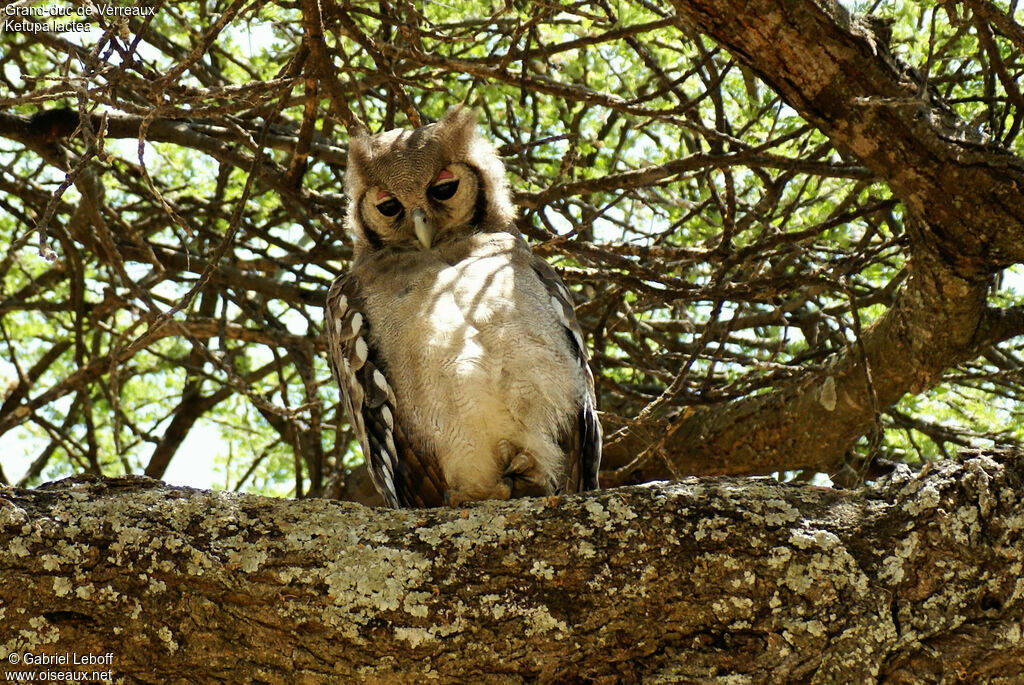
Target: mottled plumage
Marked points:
462	365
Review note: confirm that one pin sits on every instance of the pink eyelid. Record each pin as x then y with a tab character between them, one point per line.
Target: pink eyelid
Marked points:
443	175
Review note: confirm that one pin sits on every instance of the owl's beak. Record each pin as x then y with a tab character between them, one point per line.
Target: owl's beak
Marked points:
424	229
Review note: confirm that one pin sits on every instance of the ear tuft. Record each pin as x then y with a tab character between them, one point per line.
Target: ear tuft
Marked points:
458	127
360	152
460	116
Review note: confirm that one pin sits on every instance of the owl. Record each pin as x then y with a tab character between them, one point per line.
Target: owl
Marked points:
457	351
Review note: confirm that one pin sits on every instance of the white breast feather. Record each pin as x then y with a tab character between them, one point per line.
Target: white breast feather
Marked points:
478	354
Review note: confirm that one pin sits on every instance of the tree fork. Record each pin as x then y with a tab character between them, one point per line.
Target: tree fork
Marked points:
965	223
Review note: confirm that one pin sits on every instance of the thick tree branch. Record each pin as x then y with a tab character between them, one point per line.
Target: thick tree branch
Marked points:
935	323
769	581
832	69
969	223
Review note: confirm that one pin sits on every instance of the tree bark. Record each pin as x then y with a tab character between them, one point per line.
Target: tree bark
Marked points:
917	579
833	69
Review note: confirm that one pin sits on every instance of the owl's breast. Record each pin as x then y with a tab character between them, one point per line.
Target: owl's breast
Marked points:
475	352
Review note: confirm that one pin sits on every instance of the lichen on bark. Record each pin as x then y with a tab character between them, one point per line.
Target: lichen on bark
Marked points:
696	579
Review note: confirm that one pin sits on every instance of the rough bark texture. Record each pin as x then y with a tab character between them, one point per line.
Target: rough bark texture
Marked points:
721	580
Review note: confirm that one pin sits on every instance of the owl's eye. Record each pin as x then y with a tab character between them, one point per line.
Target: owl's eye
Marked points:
389	207
443	191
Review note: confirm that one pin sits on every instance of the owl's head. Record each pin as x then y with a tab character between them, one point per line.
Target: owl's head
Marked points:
419	188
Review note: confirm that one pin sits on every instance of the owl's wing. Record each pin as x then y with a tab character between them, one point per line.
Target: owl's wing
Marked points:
404	476
583	439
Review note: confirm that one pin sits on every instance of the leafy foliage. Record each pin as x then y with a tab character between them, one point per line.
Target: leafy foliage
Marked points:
718	245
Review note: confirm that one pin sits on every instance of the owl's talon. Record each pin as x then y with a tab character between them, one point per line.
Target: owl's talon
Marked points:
456	498
522	471
523	463
507	450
